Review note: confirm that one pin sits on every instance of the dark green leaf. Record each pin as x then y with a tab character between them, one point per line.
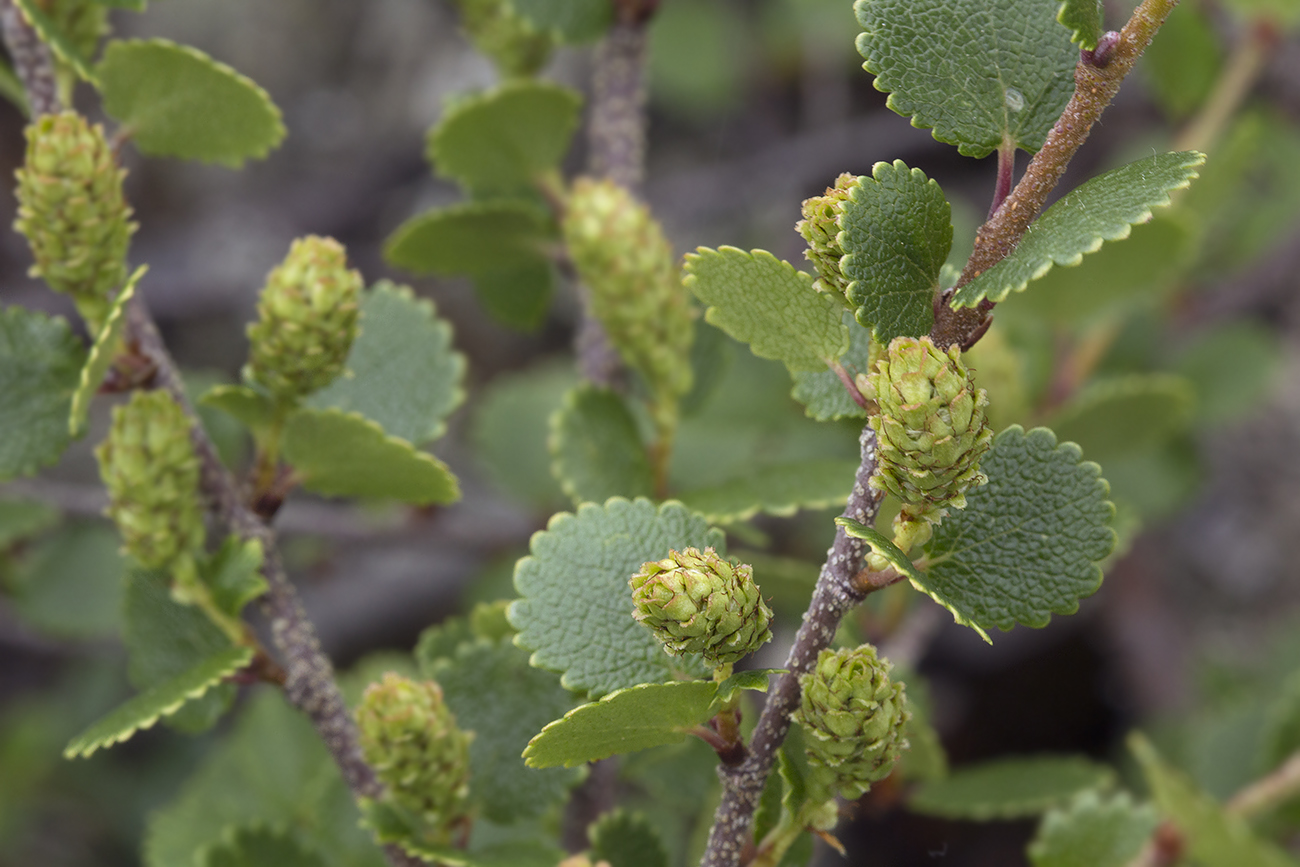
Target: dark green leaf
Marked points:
40	365
624	721
979	73
341	454
1183	63
504	140
781	489
1093	831
70	584
517	297
1028	542
1232	369
1115	417
20	519
178	102
897	234
626	840
596	449
1281	735
402	370
258	846
476	238
1009	788
576	610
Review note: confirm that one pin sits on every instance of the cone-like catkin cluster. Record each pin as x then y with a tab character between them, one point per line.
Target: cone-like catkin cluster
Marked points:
821	228
152	474
72	211
697	602
308	319
410	738
636	289
853	717
498	30
931	431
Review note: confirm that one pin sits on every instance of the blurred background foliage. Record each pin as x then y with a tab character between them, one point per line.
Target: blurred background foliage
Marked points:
1171	357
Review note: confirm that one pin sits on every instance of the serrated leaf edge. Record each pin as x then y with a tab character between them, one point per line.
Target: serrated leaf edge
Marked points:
57	40
472	208
80	747
1077	35
100	357
555	440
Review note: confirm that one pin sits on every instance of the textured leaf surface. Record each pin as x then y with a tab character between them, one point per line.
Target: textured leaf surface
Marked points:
102	353
625	721
596	449
975	71
69	584
823	395
178	102
503	718
403	372
271	768
476	238
40	365
1009	788
1104	209
510	430
145	709
897	234
504	139
1084	20
782	489
342	454
762	301
1120	416
52	35
1028	543
571	20
1093	831
1214	838
576	610
258	846
626	840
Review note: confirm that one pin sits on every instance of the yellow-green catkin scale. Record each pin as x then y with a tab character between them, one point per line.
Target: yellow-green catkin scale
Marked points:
636	288
72	211
151	470
821	227
496	29
410	738
308	313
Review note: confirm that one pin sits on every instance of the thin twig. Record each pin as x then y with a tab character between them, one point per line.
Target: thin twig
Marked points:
1281	785
31	60
1096	81
835	594
1240	74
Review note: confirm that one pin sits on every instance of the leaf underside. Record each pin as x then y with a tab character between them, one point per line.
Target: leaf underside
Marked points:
474	238
822	393
780	489
102	354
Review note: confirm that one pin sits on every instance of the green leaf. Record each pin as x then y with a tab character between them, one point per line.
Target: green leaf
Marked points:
12	89
1214	837
576	610
626	839
521	700
70	583
517	297
510	429
571	20
1104	209
100	359
165	699
178	102
475	238
755	679
822	393
884	546
273	769
1028	542
1183	64
781	489
1084	20
977	72
1282	12
165	639
341	454
763	301
596	449
1093	831
897	234
251	408
40	364
1009	788
233	574
624	721
258	846
20	519
1281	735
1115	417
402	370
504	140
1232	369
52	35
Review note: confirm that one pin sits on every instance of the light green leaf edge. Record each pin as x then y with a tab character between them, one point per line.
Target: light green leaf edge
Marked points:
693	699
102	354
447	492
767	329
755	679
977	792
1083	18
1105	209
246	405
581	449
57	40
163	700
720	504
